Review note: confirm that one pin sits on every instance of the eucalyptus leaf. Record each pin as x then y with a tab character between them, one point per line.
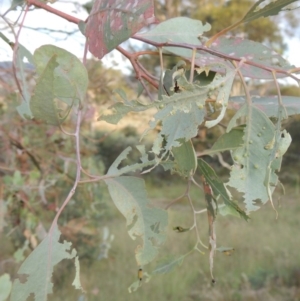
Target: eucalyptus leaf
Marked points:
112	22
148	224
270	9
42	102
218	188
268	104
70	79
38	267
252	159
251	51
167	265
185	158
5	286
227	141
177	30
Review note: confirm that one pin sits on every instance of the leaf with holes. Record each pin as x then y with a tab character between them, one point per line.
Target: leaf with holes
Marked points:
143	221
37	269
224	85
112	22
114	169
251	168
219	189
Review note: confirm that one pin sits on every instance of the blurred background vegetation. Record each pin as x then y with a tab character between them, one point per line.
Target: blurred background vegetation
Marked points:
37	170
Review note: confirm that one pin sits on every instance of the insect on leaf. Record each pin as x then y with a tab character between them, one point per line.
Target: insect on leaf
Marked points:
112	22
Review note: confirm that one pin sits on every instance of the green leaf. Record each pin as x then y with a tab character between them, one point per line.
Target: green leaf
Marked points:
225	84
70	77
269	9
227	210
177	30
21	67
5	286
117	111
268	104
148	224
3	211
42	102
249	172
181	115
168	264
82	26
18	179
16	3
219	188
19	255
115	171
112	22
185	158
38	268
227	141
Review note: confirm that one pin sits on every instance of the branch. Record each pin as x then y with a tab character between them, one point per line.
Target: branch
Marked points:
53	11
132	57
78	169
216	53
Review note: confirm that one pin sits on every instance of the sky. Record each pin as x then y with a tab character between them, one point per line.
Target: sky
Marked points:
32	38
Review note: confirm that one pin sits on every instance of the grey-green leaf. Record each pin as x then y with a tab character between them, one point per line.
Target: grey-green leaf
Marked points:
268	104
270	9
70	76
42	102
219	188
143	221
228	141
5	286
167	265
177	30
185	158
252	159
38	268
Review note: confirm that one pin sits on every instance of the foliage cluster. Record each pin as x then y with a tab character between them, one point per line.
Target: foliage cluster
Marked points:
195	92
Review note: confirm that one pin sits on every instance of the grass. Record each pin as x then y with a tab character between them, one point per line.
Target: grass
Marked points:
265	265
